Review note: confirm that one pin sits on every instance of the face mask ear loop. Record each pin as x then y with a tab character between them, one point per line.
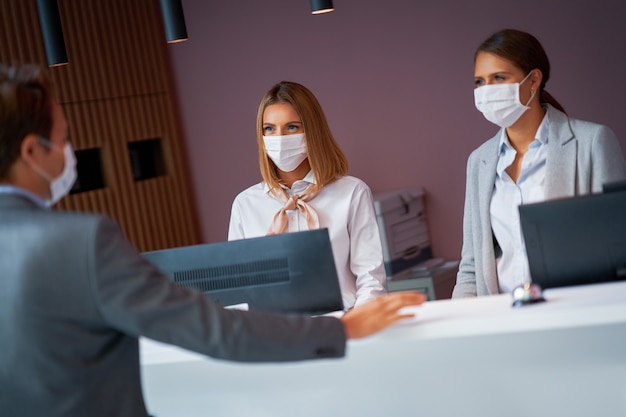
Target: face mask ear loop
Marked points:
48	145
526	77
41	172
532	92
44	142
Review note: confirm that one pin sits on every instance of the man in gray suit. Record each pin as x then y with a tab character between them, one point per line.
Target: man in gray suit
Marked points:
75	295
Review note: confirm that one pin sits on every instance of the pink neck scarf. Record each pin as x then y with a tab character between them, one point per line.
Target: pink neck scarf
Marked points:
296	201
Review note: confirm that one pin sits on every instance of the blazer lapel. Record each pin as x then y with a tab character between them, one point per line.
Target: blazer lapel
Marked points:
486	181
487	177
561	159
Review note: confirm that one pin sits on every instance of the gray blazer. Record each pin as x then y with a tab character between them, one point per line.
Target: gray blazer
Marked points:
582	156
74	297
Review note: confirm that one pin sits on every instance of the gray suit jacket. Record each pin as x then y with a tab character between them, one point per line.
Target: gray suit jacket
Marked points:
582	156
74	297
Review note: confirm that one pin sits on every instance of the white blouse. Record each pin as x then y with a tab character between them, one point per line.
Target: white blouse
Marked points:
346	208
512	266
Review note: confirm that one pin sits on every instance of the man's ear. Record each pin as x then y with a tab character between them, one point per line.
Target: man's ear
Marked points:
29	147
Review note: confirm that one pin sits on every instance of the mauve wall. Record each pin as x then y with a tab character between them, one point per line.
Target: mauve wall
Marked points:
395	79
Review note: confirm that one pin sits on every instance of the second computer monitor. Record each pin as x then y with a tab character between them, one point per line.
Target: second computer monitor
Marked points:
576	240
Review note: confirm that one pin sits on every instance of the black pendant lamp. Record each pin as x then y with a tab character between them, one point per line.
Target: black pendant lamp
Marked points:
52	32
174	20
321	6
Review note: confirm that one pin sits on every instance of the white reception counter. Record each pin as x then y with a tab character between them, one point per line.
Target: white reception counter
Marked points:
470	357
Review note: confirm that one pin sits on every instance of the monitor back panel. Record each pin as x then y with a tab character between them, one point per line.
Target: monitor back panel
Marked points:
292	272
576	241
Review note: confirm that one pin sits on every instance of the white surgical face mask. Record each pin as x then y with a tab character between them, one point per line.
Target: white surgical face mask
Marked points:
500	103
287	151
60	186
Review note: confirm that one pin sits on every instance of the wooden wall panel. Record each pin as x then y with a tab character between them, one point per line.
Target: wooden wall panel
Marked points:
115	90
116	48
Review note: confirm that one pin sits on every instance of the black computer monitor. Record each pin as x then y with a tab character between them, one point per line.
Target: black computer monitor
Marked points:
287	273
575	241
614	186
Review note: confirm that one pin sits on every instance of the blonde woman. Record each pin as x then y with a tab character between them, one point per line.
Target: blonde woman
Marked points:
305	186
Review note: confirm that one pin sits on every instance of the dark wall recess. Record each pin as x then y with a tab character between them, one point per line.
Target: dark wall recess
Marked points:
89	169
146	159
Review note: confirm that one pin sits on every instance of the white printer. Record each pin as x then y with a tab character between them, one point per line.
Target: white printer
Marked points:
403	229
407	254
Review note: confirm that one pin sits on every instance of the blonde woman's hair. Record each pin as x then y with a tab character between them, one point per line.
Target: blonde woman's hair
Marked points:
327	161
